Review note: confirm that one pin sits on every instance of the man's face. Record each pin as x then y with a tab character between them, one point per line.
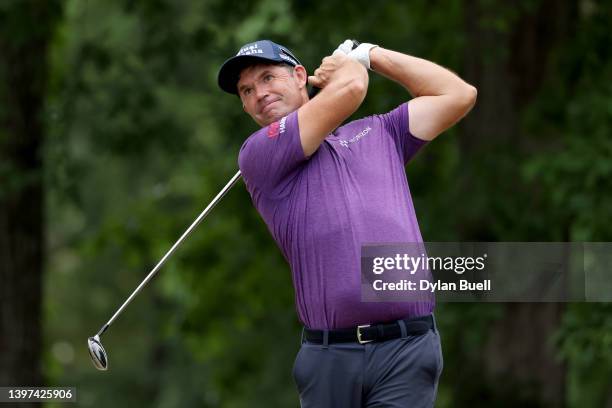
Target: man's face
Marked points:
269	92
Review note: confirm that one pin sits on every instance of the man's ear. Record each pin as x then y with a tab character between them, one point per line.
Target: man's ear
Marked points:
300	74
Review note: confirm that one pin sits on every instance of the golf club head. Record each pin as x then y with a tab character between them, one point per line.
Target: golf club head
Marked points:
97	353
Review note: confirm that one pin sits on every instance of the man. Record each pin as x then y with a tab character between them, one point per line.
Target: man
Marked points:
324	190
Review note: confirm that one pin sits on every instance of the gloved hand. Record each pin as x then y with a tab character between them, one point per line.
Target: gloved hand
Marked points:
361	54
344	48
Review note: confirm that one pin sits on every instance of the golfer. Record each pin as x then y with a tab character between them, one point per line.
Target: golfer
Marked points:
324	189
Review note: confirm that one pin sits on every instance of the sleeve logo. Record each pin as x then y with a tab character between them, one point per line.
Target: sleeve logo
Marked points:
276	128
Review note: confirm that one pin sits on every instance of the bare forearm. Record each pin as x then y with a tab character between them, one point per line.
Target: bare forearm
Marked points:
343	84
419	76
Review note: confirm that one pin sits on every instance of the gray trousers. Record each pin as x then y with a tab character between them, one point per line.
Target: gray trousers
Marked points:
402	372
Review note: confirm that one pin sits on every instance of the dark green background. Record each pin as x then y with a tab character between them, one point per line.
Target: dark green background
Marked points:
114	136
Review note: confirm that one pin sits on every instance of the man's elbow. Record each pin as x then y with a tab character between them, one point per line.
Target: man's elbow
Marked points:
467	97
358	88
461	101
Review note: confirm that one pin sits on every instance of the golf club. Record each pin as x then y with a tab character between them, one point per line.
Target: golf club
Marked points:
96	351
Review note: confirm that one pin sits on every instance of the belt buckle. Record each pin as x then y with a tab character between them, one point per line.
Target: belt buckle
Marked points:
363	326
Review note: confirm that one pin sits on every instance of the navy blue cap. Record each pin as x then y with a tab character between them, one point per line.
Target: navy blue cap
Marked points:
249	54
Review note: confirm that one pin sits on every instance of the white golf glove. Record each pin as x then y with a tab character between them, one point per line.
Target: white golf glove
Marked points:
344	48
361	54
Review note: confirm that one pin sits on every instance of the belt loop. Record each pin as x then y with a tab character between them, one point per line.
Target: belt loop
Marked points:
402	325
302	336
325	338
435	326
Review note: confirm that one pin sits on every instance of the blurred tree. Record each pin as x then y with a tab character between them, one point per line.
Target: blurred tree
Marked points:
25	31
509	54
572	171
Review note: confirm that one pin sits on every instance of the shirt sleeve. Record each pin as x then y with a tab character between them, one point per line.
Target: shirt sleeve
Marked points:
396	124
270	158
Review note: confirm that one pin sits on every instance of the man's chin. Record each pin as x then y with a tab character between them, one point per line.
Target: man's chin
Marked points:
271	118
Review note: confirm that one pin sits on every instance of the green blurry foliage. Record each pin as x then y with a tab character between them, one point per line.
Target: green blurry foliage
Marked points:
141	139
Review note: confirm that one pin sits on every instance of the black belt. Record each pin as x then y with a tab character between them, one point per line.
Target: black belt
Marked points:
367	333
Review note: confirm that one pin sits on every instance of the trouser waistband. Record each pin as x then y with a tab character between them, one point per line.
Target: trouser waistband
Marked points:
363	334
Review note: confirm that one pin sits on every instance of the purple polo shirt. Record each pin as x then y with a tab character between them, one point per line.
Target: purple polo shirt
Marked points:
320	210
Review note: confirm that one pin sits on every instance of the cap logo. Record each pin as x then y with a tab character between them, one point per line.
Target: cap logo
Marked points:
288	58
251	49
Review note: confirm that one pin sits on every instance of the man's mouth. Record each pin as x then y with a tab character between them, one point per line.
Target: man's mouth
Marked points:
268	106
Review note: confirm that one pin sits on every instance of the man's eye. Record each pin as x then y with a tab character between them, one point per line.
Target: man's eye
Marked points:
247	91
268	78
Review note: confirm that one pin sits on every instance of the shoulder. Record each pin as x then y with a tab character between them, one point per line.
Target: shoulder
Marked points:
245	149
270	155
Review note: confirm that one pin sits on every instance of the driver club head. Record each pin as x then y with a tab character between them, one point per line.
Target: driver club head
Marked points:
97	353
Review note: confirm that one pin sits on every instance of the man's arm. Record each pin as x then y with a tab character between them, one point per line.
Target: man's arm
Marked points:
441	97
344	84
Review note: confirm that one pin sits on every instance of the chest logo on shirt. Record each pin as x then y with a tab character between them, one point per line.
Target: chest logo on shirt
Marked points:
277	128
355	138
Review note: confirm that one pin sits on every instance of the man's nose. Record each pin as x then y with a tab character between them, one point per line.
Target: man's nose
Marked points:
261	92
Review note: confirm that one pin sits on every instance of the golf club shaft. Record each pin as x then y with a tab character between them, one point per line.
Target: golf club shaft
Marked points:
203	215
